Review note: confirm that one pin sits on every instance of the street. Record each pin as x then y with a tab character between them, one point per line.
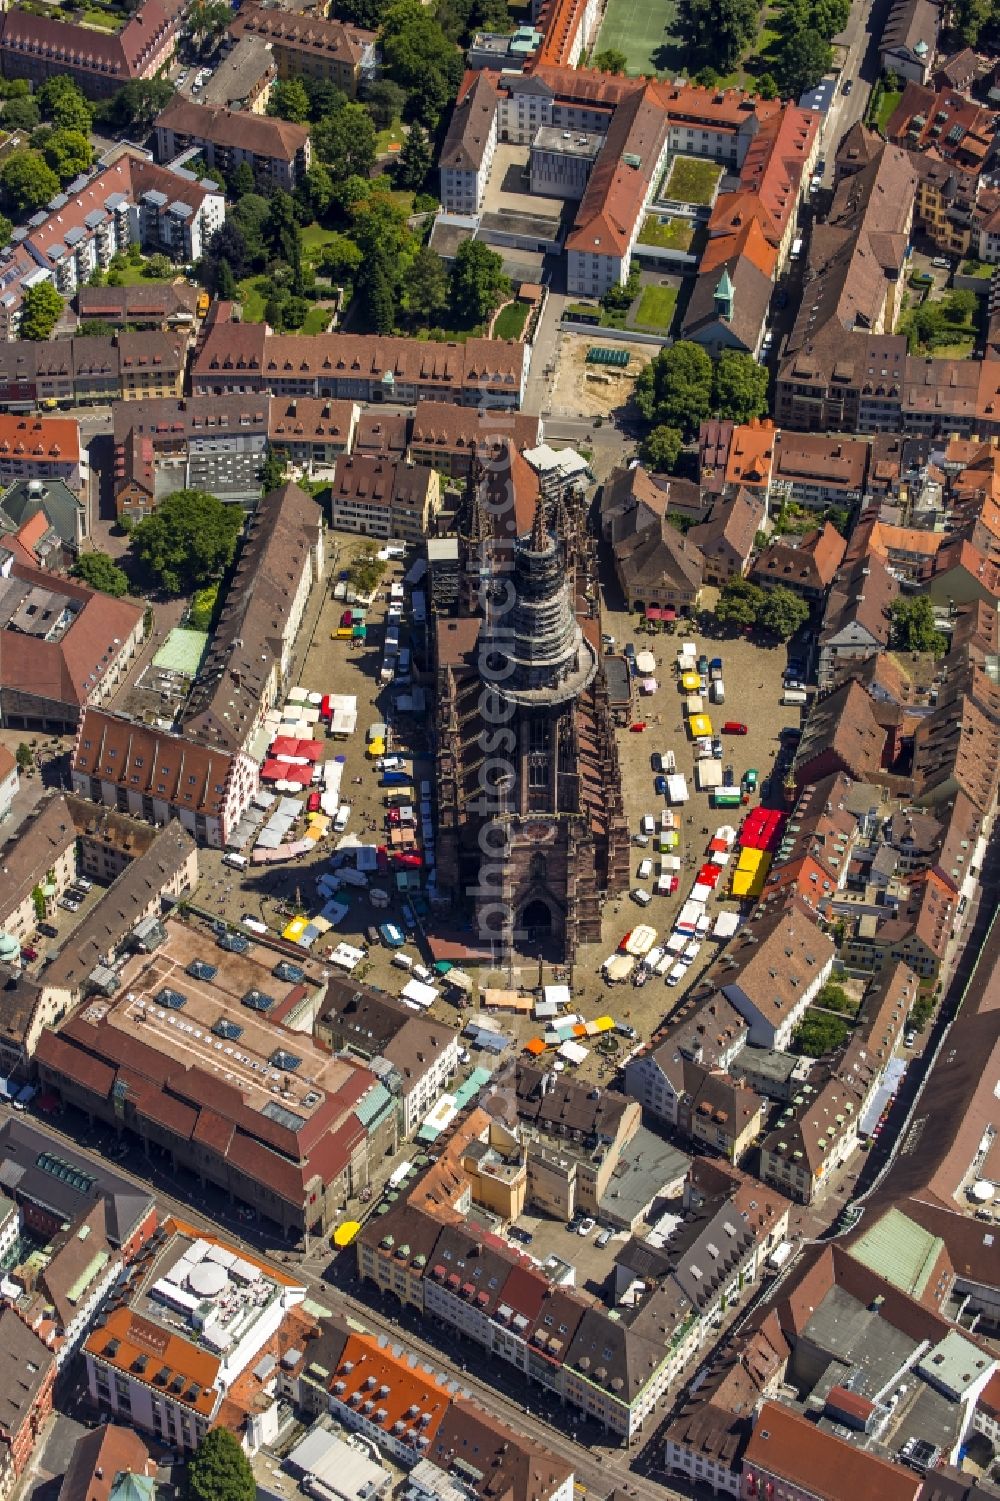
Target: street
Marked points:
860	37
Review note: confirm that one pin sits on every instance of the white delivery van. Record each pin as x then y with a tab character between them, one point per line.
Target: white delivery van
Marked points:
645	870
647	824
255	925
641	896
238	862
795	696
717	692
402	961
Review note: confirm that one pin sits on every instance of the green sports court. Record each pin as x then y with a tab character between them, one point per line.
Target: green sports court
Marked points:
644	31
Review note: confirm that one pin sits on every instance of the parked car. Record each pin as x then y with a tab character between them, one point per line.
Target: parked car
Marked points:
734	727
660	786
313	802
728	777
68	904
716	748
524	1236
629	651
624	1029
603	1239
848	85
586	1226
29	955
84	883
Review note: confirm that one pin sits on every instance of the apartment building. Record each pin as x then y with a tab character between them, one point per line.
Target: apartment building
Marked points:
41	448
98	59
311	432
380	498
183	1352
64	647
131	201
216	443
28	1374
466	157
449	437
347	367
420	1054
277	151
163	305
815	471
311	45
771	972
244	79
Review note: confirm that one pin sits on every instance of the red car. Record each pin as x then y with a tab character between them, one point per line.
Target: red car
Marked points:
734	727
408	862
637	729
674	883
313	803
28	955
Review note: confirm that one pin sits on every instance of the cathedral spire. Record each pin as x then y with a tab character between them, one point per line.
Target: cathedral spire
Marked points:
539	531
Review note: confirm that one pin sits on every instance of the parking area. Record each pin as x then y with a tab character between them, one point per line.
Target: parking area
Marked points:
592	1263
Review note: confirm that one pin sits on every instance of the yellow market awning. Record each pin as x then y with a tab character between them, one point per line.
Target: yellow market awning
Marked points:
690	682
345	1233
700	724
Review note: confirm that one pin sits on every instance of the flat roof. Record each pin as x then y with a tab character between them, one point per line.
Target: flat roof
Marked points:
583	143
225	1024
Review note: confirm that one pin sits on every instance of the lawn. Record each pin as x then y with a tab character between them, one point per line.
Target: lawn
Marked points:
644	31
393	136
886	108
691	180
977	268
511	320
655	311
667	234
252	294
102	19
316	320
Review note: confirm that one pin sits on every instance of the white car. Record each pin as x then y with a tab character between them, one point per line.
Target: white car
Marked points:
677	974
586	1226
645	870
343	814
641	896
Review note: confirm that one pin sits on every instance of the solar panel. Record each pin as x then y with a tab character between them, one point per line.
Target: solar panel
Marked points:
257	1000
284	1060
199	970
231	1031
293	973
173	999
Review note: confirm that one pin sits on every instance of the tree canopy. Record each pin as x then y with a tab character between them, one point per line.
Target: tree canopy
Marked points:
739	604
62	101
188	540
819	1034
68	153
478	281
912	625
802	59
782	612
219	1470
100	572
609	61
289	101
718	32
739	386
41	309
345	142
675	389
28	181
661	448
418	56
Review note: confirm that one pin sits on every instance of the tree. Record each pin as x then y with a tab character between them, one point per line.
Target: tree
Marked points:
225	282
41	310
385	101
367	13
478	282
24	756
137	104
226	246
415	159
767	86
340	257
425	286
282	232
675	389
912	626
960	307
21	114
365	571
242	181
95	328
28	181
219	1470
739	604
718	32
834	997
63	102
272	472
377	295
819	1034
98	570
203	608
346	142
802	60
68	153
208	20
782	613
289	101
325	98
609	61
739	386
188	541
159	267
661	448
418	56
251	216
6	230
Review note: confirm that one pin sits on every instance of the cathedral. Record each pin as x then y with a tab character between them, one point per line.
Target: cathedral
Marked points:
532	833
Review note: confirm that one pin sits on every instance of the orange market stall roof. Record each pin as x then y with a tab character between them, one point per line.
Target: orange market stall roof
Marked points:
535	1046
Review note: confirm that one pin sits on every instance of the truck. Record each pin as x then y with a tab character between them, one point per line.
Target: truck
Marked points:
726	797
677	788
750	779
715	669
395	779
717	691
795	696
